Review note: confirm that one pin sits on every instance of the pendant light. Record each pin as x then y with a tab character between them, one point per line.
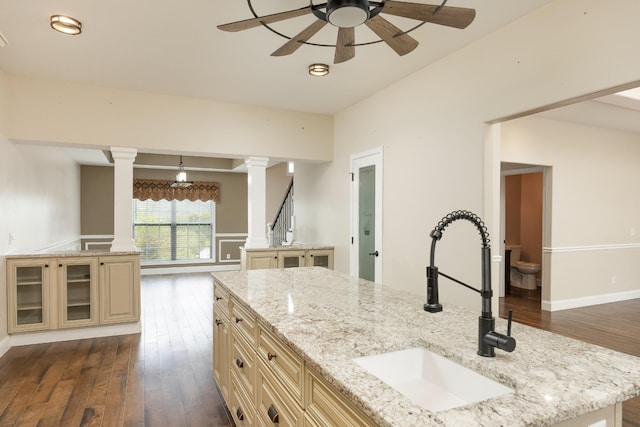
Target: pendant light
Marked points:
181	177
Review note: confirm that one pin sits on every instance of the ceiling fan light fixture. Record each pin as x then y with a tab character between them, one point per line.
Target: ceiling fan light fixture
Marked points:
318	70
347	13
66	24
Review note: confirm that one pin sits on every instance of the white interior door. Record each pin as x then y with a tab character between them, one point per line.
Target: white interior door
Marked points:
366	215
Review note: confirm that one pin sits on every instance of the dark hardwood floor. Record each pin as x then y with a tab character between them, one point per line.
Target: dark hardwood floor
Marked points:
615	326
163	376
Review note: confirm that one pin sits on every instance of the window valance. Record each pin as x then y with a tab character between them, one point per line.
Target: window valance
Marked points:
155	190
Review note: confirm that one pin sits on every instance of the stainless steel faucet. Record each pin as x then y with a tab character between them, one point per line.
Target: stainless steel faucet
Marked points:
488	339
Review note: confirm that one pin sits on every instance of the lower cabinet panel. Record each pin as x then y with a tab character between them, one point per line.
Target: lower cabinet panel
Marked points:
240	405
274	405
327	408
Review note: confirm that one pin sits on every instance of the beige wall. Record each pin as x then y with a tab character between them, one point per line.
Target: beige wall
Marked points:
513	205
593	211
433	135
96	197
523	214
231	208
40	199
431	125
75	114
277	184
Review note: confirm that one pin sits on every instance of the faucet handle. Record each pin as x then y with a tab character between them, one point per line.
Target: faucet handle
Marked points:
501	341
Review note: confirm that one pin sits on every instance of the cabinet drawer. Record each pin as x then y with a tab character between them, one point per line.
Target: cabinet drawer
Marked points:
244	322
287	366
274	406
240	405
243	364
221	299
326	407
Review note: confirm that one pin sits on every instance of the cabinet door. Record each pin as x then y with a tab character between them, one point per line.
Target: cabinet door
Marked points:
260	260
119	289
289	259
320	258
77	292
221	352
29	294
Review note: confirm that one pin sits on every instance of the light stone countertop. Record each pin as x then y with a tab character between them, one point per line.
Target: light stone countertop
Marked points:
294	247
61	254
329	318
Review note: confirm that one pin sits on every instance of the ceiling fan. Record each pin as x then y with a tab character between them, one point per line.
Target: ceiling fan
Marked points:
348	14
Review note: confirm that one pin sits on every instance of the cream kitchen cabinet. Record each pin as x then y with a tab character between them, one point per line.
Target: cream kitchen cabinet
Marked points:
29	294
287	257
78	290
221	343
263	381
119	289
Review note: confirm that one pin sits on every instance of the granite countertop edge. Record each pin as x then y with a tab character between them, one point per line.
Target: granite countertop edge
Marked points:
60	254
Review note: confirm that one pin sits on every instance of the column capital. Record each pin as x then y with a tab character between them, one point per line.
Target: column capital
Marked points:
123	153
256	162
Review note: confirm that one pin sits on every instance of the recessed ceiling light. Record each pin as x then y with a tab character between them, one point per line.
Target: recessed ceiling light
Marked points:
66	24
318	70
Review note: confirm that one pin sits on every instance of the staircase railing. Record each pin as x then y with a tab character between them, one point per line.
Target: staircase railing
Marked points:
282	222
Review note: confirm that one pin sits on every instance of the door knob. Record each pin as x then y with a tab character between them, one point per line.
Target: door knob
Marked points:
376	253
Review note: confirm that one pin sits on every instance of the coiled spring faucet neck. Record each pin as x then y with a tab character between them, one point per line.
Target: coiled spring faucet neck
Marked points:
487	337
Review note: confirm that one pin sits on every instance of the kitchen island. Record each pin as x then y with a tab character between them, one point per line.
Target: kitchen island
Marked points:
311	322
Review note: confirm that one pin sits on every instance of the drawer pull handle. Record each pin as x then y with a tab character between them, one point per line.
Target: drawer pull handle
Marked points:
271	356
218	298
238	319
218	322
240	413
239	362
273	414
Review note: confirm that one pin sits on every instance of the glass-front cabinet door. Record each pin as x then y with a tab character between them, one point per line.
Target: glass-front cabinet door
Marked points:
290	259
28	292
320	258
77	281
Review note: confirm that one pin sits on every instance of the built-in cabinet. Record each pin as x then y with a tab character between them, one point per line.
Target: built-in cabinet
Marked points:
263	381
72	291
254	259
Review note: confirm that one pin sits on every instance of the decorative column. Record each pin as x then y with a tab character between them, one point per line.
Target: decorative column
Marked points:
257	204
122	199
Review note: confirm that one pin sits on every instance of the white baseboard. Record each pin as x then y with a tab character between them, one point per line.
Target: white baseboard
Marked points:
74	334
591	300
5	345
148	271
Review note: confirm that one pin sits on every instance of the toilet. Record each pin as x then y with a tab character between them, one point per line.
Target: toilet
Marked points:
523	273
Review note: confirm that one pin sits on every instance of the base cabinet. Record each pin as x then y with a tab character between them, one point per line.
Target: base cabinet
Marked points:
71	291
263	382
119	289
286	258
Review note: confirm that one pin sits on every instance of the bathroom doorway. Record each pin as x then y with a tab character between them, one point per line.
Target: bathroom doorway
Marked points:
523	227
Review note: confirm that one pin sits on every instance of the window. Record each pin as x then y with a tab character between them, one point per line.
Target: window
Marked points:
173	230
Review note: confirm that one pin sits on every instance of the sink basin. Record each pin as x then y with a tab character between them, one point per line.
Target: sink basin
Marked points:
430	380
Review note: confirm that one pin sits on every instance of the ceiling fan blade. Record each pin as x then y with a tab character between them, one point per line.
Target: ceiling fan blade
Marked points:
345	46
457	17
392	35
267	19
296	41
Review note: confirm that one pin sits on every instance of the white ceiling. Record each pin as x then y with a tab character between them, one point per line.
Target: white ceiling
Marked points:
174	47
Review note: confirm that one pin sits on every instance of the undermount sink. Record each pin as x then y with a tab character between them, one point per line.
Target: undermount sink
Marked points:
430	380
